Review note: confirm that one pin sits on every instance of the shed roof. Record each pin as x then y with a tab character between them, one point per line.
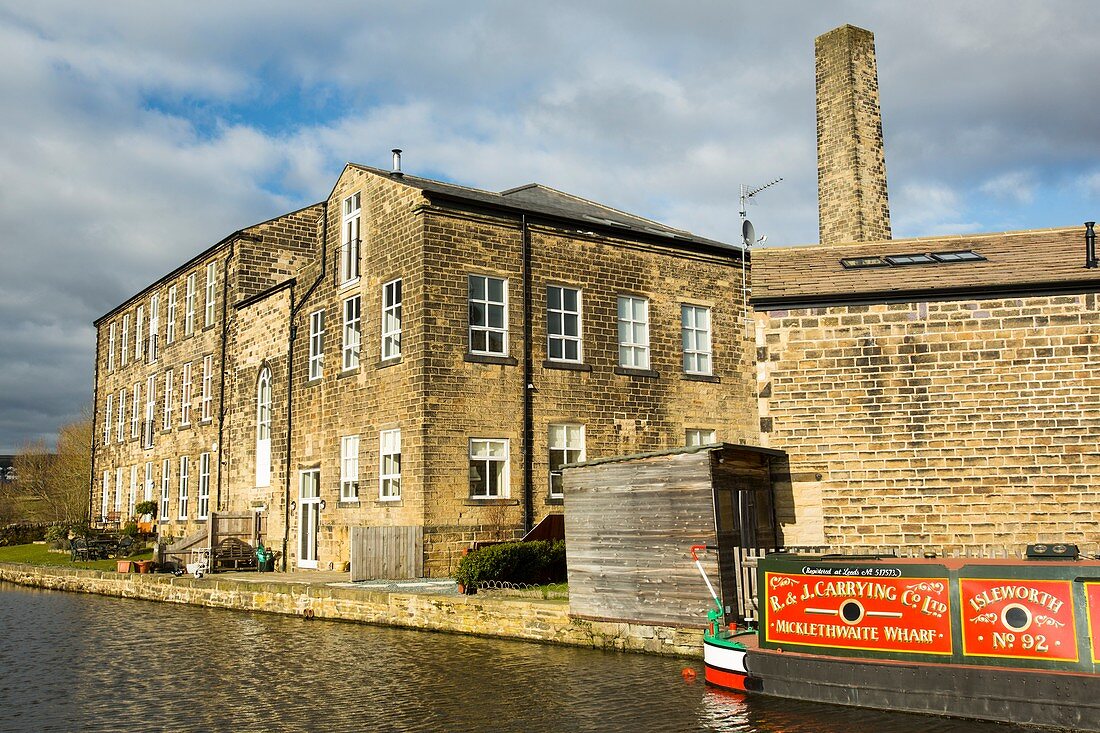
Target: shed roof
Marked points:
681	450
1031	261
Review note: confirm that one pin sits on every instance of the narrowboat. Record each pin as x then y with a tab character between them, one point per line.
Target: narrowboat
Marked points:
1015	641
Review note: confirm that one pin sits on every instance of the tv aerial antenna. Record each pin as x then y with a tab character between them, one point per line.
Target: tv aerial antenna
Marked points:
748	236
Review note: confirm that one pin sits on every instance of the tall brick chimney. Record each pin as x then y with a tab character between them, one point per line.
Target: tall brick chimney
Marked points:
851	165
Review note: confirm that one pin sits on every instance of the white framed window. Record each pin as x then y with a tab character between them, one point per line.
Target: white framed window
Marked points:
563	324
189	306
165	487
139	326
185	478
170	316
132	498
150	407
695	331
488	468
566	445
699	436
349	468
391	319
169	398
135	412
204	486
120	426
111	348
263	428
105	496
185	395
316	344
389	472
352	332
118	490
633	332
488	305
154	328
108	416
207	401
349	240
211	293
124	351
148	493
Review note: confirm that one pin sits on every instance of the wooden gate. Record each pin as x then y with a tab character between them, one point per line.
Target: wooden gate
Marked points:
387	552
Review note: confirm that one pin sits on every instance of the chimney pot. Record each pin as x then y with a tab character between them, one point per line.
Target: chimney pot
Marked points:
396	161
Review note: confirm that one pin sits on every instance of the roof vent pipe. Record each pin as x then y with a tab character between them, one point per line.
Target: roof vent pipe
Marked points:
1090	245
396	161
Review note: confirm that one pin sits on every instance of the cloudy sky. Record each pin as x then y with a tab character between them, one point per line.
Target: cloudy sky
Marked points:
135	134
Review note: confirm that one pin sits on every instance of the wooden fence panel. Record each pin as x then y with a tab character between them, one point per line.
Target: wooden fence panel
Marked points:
387	553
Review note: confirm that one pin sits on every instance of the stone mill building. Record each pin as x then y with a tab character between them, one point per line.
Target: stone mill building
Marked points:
413	353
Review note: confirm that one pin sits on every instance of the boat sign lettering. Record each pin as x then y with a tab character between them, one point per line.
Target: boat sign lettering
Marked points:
864	572
1018	619
862	611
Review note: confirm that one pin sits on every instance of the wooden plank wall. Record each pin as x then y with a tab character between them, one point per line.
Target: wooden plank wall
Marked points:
387	552
629	527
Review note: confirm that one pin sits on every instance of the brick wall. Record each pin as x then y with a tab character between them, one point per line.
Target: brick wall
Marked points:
936	424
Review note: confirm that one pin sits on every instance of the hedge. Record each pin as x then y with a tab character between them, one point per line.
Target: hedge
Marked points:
533	563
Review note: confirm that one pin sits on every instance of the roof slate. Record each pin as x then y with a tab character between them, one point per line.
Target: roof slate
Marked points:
538	199
1037	258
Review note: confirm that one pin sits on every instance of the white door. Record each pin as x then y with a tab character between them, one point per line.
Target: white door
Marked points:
309	517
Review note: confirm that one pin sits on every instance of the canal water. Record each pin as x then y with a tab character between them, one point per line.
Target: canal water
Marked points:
74	662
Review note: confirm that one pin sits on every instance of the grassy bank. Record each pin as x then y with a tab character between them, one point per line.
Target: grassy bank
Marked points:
37	554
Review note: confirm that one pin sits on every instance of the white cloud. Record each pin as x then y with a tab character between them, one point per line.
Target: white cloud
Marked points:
1014	186
135	134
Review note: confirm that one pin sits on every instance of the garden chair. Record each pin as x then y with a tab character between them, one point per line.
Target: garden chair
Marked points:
78	548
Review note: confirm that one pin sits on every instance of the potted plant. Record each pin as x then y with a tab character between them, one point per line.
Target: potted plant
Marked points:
147	510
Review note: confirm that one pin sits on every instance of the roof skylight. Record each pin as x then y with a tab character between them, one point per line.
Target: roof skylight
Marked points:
917	258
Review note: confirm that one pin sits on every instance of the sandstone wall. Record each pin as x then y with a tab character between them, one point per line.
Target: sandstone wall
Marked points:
942	424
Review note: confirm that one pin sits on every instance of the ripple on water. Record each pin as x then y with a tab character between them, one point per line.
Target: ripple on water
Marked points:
73	662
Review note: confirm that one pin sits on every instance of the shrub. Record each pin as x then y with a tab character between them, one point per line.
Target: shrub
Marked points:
57	535
22	533
146	507
514	562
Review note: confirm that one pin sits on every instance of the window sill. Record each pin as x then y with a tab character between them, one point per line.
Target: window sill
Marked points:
348	504
312	382
396	501
209	327
569	366
200	520
391	361
185	426
489	359
207	421
713	378
348	373
491	501
348	284
641	373
555	501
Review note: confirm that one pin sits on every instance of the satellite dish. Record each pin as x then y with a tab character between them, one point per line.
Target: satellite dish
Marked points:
748	232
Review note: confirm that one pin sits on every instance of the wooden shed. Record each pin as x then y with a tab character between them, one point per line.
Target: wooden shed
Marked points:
630	523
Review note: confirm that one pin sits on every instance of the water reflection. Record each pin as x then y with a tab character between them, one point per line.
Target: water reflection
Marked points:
71	662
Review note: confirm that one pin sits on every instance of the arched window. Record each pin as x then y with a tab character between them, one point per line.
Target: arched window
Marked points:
263	428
